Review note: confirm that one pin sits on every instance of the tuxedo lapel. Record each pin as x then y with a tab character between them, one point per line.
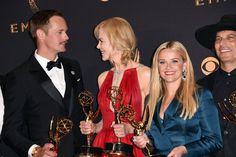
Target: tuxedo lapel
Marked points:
69	93
40	75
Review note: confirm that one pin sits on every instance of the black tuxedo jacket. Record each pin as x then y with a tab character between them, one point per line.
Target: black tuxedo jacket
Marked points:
5	150
31	100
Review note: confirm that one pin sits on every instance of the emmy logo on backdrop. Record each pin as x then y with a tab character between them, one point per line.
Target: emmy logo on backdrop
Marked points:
228	107
33	5
58	129
86	100
118	148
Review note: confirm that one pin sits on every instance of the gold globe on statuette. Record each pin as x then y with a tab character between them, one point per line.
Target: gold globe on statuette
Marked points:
117	148
86	100
58	129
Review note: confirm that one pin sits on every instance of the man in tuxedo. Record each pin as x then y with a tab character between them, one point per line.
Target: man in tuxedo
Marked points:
44	86
221	38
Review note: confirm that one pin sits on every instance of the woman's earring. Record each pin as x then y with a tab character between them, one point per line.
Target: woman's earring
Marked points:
184	75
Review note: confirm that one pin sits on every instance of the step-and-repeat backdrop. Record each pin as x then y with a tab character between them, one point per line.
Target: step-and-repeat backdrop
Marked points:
154	22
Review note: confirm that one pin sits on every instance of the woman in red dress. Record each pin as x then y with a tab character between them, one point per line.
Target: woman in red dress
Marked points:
117	44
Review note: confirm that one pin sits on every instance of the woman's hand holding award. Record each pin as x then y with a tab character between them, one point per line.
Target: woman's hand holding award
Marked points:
86	100
117	148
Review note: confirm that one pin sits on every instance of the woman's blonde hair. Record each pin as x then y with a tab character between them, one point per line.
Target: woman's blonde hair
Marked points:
186	92
121	36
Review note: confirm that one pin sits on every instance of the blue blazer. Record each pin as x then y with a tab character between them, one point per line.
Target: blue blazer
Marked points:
200	135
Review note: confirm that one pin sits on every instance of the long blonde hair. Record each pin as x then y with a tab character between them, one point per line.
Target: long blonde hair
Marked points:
121	36
186	92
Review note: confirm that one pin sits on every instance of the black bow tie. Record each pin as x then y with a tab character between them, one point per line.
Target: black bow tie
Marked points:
52	64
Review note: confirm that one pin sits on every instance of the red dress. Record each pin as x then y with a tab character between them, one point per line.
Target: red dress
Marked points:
130	87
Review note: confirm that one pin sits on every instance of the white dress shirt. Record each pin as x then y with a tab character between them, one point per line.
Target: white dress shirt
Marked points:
56	75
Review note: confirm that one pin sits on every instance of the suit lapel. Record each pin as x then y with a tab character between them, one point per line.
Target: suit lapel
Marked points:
40	75
69	93
157	116
172	109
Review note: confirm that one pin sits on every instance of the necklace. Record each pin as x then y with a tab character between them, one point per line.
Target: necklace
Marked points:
117	77
118	72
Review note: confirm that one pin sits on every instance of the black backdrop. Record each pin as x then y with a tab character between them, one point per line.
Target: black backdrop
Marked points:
154	22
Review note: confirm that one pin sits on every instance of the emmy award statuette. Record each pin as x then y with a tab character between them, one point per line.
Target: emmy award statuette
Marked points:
228	107
58	129
118	148
86	99
139	127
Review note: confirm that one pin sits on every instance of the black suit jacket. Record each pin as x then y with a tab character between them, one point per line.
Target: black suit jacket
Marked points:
31	100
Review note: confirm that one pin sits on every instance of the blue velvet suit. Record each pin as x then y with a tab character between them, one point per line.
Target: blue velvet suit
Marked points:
200	134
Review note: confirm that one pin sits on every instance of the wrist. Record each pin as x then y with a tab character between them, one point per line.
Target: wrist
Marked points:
147	139
184	150
94	128
98	127
128	129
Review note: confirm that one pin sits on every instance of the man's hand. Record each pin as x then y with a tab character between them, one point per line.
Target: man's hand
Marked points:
46	151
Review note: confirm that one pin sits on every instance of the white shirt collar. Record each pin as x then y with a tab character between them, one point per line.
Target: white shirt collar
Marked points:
42	60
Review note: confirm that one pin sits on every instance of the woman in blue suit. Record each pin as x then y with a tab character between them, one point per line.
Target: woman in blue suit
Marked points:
183	119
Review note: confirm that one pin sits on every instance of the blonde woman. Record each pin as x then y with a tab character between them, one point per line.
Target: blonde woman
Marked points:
117	44
183	117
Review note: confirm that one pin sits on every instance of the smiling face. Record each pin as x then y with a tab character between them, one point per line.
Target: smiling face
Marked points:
225	46
170	65
104	45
